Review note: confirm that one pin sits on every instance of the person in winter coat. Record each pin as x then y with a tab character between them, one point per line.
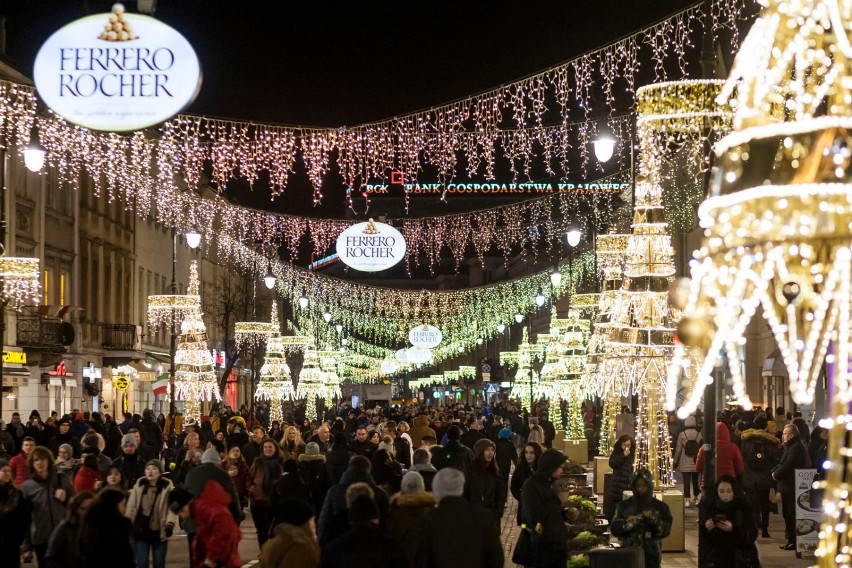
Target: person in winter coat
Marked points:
105	532
793	456
727	527
88	475
289	487
335	500
292	445
63	436
729	459
336	459
761	451
685	462
536	433
217	534
423	465
364	544
47	493
294	540
63	548
386	471
406	510
148	510
238	470
621	462
311	464
523	471
420	428
130	461
263	474
456	533
14	518
483	482
506	455
542	512
453	453
19	462
642	520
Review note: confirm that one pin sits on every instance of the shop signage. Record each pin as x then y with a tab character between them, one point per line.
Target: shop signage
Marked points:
402	355
418	355
370	246
14	358
117	71
425	336
121	382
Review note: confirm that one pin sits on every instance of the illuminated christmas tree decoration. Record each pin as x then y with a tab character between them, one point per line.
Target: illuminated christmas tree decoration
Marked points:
275	384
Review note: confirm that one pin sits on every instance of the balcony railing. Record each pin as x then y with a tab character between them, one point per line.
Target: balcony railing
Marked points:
39	331
118	336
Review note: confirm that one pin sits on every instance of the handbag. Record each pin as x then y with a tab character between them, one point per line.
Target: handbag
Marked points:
522	554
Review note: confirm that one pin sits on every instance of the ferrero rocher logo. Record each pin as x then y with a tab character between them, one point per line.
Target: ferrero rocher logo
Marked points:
370	229
118	28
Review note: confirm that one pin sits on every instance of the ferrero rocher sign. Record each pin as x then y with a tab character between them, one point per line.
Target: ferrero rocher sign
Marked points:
117	71
370	246
425	336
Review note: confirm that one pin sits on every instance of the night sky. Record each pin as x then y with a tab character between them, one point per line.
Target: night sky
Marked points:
320	64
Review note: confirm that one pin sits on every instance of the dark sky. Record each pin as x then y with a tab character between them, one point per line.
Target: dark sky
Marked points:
335	64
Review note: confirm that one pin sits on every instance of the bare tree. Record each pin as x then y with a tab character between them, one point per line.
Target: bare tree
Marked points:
229	302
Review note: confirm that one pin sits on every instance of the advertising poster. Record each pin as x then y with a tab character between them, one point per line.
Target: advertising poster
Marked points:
807	517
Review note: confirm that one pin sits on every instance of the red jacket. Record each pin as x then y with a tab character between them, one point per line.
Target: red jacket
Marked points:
20	471
217	535
85	479
729	460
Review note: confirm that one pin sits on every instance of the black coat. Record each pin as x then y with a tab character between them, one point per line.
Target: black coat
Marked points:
506	456
105	540
14	524
754	442
457	533
794	456
485	490
523	471
729	549
543	509
622	468
453	453
333	509
363	545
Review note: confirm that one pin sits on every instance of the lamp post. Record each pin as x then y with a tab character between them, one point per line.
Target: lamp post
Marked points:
193	239
573	236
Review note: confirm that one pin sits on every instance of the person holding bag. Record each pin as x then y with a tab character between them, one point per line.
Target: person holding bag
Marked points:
542	513
148	511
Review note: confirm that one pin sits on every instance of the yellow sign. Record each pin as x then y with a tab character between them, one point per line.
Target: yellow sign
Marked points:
15	357
121	383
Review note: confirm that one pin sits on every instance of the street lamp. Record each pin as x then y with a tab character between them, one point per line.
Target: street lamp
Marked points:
326	316
519	318
604	144
540	298
303	301
338	328
555	277
34	152
501	328
269	279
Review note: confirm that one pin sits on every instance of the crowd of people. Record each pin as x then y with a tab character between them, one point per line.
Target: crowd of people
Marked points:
414	484
410	483
756	453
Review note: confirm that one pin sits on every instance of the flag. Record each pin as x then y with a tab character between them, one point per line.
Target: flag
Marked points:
161	384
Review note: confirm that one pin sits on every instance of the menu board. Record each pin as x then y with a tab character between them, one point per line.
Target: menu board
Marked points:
807	517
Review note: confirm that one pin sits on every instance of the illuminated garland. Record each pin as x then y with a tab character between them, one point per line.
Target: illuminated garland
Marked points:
275	384
20	278
310	386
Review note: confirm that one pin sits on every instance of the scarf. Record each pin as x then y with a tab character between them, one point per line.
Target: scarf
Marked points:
271	472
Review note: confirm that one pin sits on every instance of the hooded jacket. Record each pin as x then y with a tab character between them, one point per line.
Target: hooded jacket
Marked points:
542	509
729	460
420	428
635	528
685	463
759	441
217	535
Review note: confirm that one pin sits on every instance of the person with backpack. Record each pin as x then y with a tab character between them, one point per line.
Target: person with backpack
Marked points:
761	451
686	451
453	453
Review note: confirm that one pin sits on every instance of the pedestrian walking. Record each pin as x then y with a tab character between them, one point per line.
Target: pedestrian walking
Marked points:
63	548
621	461
761	452
727	527
14	518
105	532
263	473
148	510
686	452
217	534
542	513
793	456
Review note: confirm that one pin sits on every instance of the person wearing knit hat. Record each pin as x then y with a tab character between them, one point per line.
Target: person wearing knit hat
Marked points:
485	486
128	440
130	461
760	450
293	543
364	544
458	526
453	453
542	511
210	455
506	455
405	510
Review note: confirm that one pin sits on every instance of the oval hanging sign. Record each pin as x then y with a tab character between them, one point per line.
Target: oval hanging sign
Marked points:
425	336
402	355
121	383
117	71
418	355
370	246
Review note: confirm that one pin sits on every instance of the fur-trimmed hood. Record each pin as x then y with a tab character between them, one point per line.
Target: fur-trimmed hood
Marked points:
308	458
753	434
400	500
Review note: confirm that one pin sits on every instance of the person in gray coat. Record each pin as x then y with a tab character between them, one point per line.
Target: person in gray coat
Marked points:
685	462
47	493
